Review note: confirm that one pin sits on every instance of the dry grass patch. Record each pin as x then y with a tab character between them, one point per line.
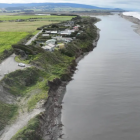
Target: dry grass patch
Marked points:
22	26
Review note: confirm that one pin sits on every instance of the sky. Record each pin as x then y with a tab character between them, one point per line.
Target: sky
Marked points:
126	4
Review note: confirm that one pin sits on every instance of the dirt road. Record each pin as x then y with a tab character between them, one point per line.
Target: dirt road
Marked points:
33	38
9	65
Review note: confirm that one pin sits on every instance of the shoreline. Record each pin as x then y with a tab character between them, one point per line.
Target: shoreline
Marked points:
51	118
133	20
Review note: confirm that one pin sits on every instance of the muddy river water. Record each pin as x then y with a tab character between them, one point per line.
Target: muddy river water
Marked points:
102	102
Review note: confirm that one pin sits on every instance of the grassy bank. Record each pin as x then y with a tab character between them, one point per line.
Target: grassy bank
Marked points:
29	132
7	112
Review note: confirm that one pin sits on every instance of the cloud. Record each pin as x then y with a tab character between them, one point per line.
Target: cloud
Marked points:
126	4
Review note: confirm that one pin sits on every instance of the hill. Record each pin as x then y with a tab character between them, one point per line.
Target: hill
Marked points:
21	6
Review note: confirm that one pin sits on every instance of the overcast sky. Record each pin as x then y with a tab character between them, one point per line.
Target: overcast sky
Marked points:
127	4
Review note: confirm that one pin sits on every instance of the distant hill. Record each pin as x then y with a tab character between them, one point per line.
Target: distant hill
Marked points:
51	5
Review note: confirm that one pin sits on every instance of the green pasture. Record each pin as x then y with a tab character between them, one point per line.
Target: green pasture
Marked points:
26	17
9	38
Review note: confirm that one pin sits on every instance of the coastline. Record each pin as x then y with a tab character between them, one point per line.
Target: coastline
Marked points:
133	20
47	124
51	118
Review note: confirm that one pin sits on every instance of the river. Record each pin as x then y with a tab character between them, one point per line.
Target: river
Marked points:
102	102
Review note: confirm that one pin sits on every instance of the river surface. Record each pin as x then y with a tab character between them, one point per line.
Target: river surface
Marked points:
102	102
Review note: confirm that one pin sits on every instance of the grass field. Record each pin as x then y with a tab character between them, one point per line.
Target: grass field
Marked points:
22	26
25	17
9	38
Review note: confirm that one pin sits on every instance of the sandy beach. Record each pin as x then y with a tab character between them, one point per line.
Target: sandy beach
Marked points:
135	21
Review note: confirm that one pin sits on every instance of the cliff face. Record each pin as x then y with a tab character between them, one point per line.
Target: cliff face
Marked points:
51	125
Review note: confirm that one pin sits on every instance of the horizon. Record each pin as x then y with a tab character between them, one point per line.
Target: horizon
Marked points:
123	4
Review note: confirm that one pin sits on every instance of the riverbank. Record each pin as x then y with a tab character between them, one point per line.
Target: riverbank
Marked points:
50	125
102	100
47	79
134	20
54	103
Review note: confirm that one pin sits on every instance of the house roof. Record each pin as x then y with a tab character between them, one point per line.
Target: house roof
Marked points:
48	31
65	33
53	32
51	45
46	47
45	35
51	40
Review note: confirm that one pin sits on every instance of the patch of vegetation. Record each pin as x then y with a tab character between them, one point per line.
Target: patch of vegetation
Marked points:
30	131
19	60
19	82
29	58
36	98
7	112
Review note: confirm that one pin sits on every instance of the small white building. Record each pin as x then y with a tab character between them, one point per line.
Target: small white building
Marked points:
45	35
48	32
53	32
67	32
51	41
49	47
57	37
63	39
